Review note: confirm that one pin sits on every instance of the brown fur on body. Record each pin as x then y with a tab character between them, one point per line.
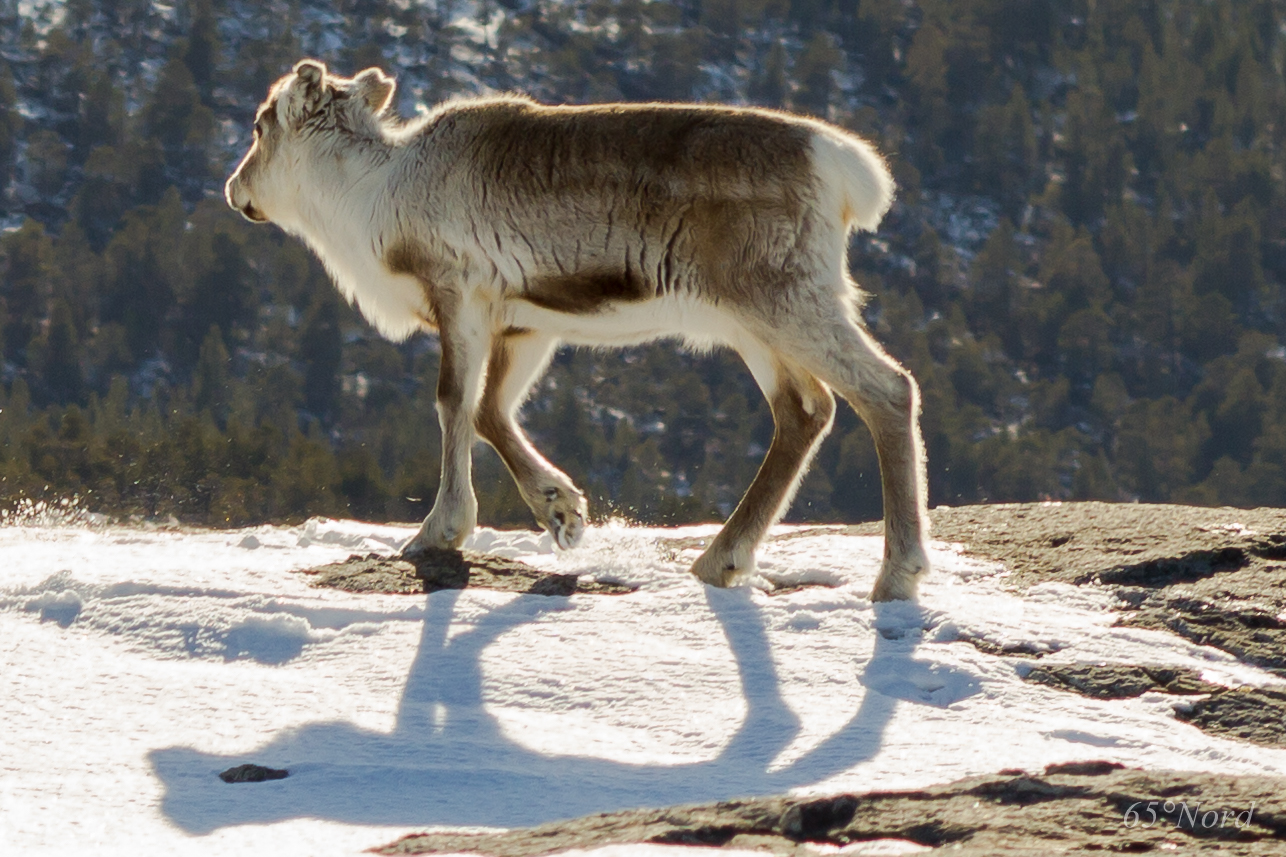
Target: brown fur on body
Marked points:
512	226
630	202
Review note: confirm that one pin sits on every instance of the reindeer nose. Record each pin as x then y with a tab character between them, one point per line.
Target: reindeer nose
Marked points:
246	207
230	193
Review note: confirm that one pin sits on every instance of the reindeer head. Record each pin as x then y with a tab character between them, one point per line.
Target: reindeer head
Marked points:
305	111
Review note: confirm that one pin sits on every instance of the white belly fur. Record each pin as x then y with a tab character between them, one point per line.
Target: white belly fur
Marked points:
696	322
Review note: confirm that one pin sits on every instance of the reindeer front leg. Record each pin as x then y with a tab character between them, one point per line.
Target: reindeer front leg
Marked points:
517	360
465	334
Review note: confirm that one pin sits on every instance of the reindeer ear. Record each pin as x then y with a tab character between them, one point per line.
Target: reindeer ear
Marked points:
305	95
375	88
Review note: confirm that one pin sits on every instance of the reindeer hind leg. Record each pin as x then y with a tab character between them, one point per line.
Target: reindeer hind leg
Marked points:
802	409
840	352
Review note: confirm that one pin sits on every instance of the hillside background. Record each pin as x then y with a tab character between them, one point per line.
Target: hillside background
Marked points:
1084	269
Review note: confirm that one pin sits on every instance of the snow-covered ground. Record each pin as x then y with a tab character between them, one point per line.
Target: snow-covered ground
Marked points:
137	664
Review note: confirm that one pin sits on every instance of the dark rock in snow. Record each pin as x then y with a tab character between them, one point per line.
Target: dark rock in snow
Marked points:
252	774
1120	681
1255	635
452	570
1255	714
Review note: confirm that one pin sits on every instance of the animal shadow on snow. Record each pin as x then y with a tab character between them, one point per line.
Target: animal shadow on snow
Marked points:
447	761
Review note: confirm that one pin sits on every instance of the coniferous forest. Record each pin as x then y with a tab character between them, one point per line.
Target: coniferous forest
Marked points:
1085	269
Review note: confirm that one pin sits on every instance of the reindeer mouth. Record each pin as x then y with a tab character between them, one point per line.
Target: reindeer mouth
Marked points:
254	215
232	196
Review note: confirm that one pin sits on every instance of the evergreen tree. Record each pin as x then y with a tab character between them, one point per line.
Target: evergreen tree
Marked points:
769	86
1084	267
1158	445
46	159
1006	152
992	281
28	265
138	292
321	349
676	65
60	358
211	377
221	295
926	72
1228	260
203	48
176	119
815	69
10	125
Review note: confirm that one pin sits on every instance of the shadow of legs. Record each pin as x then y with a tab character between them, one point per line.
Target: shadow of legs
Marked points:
447	762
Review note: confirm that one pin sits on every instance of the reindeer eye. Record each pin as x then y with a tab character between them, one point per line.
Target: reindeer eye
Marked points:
258	129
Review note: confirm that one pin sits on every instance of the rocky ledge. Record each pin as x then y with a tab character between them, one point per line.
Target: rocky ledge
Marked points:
1079	807
1214	576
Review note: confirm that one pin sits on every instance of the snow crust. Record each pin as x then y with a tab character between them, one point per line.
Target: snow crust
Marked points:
136	664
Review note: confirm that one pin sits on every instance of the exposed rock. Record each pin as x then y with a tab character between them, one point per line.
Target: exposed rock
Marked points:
369	573
252	774
1020	649
1120	681
1135	544
451	570
1214	576
1246	630
1250	714
1256	714
1077	807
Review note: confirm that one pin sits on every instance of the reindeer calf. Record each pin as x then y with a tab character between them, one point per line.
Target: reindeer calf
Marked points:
510	227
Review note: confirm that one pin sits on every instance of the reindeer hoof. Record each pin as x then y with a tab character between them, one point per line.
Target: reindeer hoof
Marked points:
439	533
418	549
721	568
415	552
567	529
564	516
899	582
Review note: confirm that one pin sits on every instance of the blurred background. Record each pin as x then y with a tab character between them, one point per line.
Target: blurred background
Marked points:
1084	269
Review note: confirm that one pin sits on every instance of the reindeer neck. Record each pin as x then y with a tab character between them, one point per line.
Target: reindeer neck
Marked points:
345	217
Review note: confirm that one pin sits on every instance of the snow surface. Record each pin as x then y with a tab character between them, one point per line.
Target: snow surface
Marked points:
136	664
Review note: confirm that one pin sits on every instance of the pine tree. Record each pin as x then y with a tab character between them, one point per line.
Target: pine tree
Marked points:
25	287
177	120
139	290
60	358
769	86
1005	151
221	292
210	378
203	48
992	281
1228	260
926	72
814	71
10	126
321	349
1157	448
46	160
676	65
